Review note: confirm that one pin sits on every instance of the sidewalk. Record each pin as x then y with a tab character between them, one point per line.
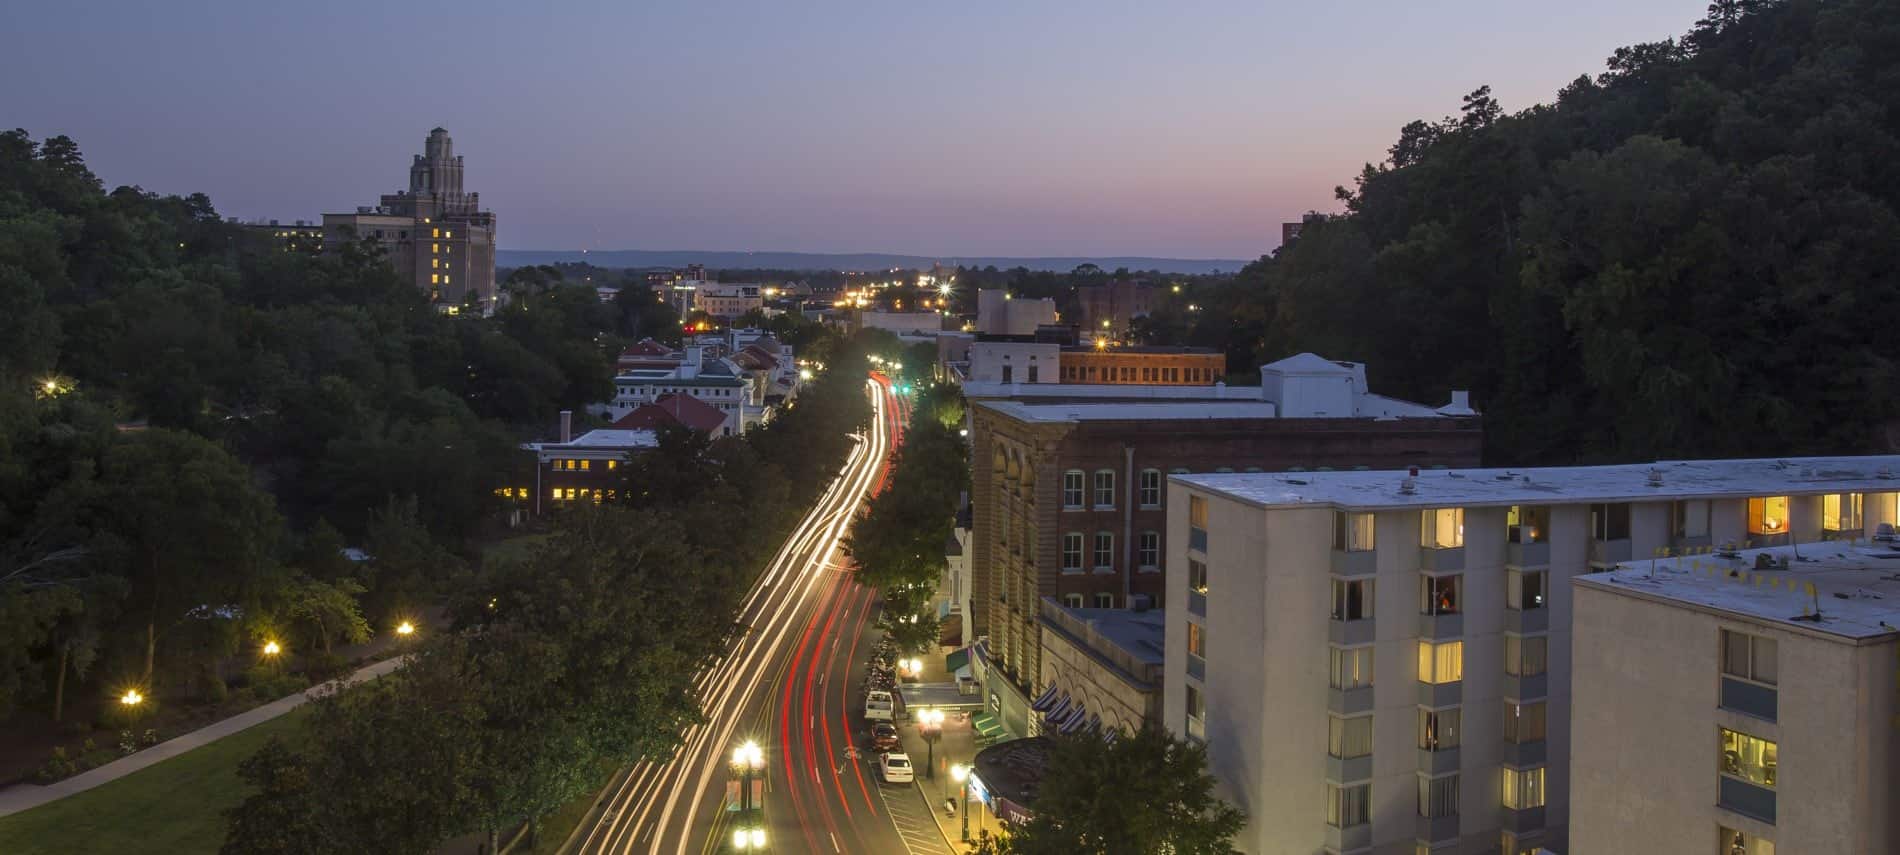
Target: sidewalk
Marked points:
958	745
21	797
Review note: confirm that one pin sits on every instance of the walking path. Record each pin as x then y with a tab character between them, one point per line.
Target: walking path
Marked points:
21	797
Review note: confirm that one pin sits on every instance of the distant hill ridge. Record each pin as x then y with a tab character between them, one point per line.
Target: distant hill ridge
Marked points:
852	261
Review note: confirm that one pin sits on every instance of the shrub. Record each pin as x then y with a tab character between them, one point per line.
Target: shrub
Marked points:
324	666
56	767
117	716
269	684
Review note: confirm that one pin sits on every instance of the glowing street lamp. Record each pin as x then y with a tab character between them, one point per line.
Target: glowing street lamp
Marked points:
748	760
131	698
930	726
405	628
272	648
961	774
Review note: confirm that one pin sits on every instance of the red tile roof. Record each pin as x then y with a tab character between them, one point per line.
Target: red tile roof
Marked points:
674	409
647	347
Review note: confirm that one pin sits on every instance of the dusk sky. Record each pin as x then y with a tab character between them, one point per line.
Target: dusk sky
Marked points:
1188	129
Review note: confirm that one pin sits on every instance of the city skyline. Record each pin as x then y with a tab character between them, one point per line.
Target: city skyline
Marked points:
1030	132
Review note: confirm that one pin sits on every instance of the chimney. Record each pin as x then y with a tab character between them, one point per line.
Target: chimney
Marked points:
1460	399
567	426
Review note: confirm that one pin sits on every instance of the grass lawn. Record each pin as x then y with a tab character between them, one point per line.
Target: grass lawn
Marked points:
175	806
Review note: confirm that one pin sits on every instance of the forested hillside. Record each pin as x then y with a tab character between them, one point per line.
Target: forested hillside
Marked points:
1693	253
193	418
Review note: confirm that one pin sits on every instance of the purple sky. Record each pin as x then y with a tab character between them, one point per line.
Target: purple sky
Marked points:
1187	129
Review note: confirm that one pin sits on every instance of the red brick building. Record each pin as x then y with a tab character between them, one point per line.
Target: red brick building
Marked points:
1068	493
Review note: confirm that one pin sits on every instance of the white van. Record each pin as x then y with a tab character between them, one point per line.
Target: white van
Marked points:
878	706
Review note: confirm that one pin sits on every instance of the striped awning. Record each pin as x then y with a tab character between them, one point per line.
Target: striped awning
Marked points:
1061	712
1045	700
1075	721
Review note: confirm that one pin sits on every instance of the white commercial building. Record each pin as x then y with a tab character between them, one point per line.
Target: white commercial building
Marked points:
1380	662
1000	313
1745	703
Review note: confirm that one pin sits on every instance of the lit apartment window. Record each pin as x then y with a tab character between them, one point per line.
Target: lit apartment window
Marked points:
1768	515
1443	662
435	264
613	464
1439	730
1523	788
1528	523
1523	722
1438	797
1072	552
1441	595
1351	667
435	278
1196	714
1197	640
586	465
448	234
435	248
1197	576
1442	528
1348	805
1526	655
1104	550
1151	488
1732	842
1148	550
1610	522
1691	518
1104	600
1197	512
1352	532
1748	758
1072	490
1352	599
569	494
1105	488
1524	589
1840	512
1347	738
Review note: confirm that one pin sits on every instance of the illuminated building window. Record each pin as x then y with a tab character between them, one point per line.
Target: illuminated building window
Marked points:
435	233
1442	528
1441	663
435	247
1523	788
586	465
435	278
1768	515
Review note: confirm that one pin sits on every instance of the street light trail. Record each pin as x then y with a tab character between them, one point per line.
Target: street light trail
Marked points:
656	805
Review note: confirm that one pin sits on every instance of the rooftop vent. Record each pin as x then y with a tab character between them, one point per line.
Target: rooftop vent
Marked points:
1655	477
1409	486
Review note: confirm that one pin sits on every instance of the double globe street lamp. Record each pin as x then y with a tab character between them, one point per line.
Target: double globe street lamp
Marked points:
748	762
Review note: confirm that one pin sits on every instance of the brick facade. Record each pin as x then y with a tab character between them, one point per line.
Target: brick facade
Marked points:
1019	517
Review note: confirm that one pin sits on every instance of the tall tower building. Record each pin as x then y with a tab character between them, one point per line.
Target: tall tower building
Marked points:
435	234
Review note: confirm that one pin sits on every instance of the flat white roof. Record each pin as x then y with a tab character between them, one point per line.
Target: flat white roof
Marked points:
603	439
1129	410
1220	391
1681	479
1856	586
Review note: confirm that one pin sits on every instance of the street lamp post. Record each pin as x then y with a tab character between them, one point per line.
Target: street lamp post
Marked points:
962	775
930	726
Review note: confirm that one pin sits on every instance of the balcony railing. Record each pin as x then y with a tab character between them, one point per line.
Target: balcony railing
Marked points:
1746	799
1197	603
1197	539
1747	698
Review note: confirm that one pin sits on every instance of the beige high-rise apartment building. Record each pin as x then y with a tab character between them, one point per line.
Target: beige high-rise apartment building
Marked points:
1384	662
435	234
1742	703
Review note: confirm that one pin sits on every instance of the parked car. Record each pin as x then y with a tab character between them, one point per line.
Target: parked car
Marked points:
878	706
884	737
895	767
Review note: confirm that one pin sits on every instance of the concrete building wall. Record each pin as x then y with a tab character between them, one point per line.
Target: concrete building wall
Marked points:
1099	687
1013	361
1652	714
1143	368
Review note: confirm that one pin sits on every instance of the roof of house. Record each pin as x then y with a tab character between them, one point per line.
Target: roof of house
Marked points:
1308	363
603	439
674	409
647	347
1634	482
1855	586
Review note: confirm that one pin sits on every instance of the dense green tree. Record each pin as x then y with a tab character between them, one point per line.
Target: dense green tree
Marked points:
1146	792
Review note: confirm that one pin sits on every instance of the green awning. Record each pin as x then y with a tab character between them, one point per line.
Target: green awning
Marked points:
957	660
